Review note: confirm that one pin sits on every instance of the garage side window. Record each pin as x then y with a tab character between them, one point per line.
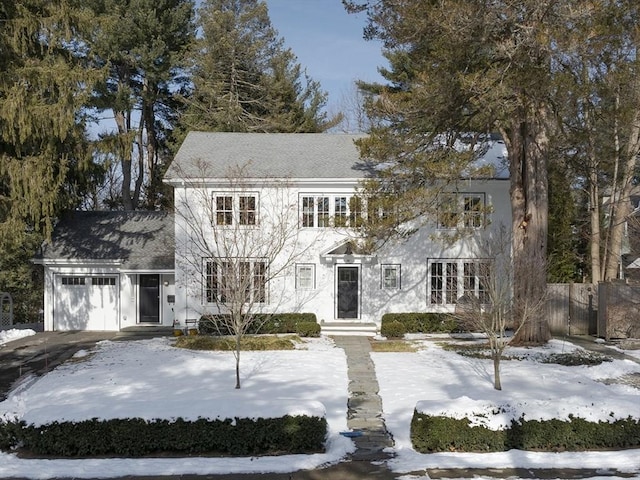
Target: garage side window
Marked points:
70	281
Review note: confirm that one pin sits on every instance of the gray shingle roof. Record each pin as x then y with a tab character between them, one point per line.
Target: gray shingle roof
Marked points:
276	155
141	240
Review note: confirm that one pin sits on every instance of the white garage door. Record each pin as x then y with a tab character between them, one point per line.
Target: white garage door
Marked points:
86	303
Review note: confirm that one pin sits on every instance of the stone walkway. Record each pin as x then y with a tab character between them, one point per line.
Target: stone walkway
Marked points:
364	415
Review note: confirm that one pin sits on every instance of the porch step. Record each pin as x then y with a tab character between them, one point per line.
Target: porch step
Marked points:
349	328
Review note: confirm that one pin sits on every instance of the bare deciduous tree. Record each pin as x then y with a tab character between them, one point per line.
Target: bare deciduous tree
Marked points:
235	240
493	312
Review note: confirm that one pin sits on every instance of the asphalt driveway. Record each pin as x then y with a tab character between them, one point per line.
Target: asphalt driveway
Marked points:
42	352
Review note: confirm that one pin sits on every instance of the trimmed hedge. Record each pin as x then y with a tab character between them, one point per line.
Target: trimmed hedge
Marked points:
397	324
300	323
443	434
135	437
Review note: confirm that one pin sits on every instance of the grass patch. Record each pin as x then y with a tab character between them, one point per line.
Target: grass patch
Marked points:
249	342
472	350
392	346
576	358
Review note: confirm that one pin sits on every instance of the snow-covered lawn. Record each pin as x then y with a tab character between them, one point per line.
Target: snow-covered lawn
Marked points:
151	379
445	383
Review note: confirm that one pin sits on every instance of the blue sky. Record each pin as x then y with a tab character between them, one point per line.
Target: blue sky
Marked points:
328	43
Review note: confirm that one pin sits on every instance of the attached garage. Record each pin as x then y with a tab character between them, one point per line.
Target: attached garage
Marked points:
105	271
86	302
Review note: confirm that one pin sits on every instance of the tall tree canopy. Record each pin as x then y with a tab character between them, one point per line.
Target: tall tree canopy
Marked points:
462	66
43	148
244	79
142	44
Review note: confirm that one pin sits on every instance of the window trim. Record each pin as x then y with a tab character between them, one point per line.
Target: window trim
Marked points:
448	280
453	211
299	283
326	210
398	278
233	214
215	289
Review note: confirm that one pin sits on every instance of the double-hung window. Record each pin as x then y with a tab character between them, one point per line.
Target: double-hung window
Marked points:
305	276
390	277
461	210
241	209
330	211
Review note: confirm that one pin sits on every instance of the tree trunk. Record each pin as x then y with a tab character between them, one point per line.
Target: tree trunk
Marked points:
238	338
497	383
621	203
527	144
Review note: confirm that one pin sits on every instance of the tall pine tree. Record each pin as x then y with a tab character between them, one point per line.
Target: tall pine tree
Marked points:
142	44
244	79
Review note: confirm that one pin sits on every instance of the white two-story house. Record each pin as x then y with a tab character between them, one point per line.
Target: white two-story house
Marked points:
272	214
267	218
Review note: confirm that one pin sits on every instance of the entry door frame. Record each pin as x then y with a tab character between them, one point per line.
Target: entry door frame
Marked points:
347	292
148	308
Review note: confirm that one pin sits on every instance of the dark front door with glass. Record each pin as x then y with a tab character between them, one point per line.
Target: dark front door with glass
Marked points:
347	292
149	298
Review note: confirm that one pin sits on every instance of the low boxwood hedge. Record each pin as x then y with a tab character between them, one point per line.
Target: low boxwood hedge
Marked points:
135	437
397	324
304	324
444	434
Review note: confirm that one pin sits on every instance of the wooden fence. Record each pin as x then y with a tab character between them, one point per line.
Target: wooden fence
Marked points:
607	310
572	308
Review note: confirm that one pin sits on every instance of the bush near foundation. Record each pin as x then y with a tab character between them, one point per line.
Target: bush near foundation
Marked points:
417	322
135	437
444	434
299	323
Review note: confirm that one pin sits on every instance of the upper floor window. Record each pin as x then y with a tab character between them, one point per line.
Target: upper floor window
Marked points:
241	209
328	211
465	210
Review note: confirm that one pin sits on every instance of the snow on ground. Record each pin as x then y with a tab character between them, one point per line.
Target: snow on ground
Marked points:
152	379
14	334
444	383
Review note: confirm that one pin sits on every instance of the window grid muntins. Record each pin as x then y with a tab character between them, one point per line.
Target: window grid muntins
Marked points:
224	210
473	211
390	277
461	210
73	281
223	277
305	277
247	207
328	211
450	280
240	209
101	281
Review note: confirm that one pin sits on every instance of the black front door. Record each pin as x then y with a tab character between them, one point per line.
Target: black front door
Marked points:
149	298
347	292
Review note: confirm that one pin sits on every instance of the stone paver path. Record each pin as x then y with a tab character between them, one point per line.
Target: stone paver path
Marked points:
365	405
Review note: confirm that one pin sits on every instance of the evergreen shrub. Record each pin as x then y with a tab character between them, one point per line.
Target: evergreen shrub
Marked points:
443	434
135	437
420	322
267	324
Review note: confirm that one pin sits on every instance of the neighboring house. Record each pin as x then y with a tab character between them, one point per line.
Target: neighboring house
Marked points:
109	270
232	190
276	211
